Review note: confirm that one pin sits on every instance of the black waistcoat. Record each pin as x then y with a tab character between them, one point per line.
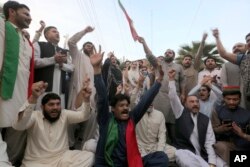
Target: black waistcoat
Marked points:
184	129
46	74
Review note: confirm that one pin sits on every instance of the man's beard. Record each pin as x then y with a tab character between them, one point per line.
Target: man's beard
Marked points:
87	52
168	59
49	118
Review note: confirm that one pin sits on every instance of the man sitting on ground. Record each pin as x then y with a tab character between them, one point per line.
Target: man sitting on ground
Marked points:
47	141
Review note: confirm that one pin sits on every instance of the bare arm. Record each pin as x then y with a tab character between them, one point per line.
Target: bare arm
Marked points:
72	42
39	32
24	119
197	59
223	53
174	99
151	58
145	46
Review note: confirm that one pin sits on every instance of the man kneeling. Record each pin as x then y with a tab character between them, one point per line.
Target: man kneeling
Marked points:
47	141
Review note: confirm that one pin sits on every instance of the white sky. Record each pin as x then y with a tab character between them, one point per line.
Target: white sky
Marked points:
163	23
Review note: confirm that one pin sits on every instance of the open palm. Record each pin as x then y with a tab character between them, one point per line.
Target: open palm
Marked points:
96	58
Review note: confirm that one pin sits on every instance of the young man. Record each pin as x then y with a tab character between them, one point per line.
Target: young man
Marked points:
117	144
210	70
47	140
208	95
83	131
52	64
222	118
15	72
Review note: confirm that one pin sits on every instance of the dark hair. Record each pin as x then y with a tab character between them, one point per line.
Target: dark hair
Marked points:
209	57
47	29
247	36
188	55
119	97
172	51
232	92
140	61
12	5
50	96
207	87
88	42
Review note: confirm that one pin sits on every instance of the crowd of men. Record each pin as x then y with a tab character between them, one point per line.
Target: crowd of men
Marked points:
71	108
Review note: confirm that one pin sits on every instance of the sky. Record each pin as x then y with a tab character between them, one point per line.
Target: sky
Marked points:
163	23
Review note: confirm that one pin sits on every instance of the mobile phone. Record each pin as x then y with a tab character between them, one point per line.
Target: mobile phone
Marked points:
227	121
64	51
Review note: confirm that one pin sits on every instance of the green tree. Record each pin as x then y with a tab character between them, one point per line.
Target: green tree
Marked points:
208	50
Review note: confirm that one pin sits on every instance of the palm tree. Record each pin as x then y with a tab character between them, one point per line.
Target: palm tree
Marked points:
208	50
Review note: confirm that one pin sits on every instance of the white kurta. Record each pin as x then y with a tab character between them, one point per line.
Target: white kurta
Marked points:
151	135
4	160
83	68
47	61
206	72
194	139
47	143
9	108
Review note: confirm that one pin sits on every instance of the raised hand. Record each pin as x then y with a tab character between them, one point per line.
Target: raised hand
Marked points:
159	73
206	80
86	90
215	33
204	37
38	89
141	40
42	23
171	74
119	89
96	60
89	29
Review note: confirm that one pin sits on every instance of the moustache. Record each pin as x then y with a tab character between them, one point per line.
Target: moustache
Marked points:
125	111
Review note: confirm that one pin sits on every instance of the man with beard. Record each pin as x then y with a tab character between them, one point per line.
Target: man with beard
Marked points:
117	144
47	140
191	69
229	69
194	133
15	73
224	116
210	70
161	101
240	59
84	131
230	73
